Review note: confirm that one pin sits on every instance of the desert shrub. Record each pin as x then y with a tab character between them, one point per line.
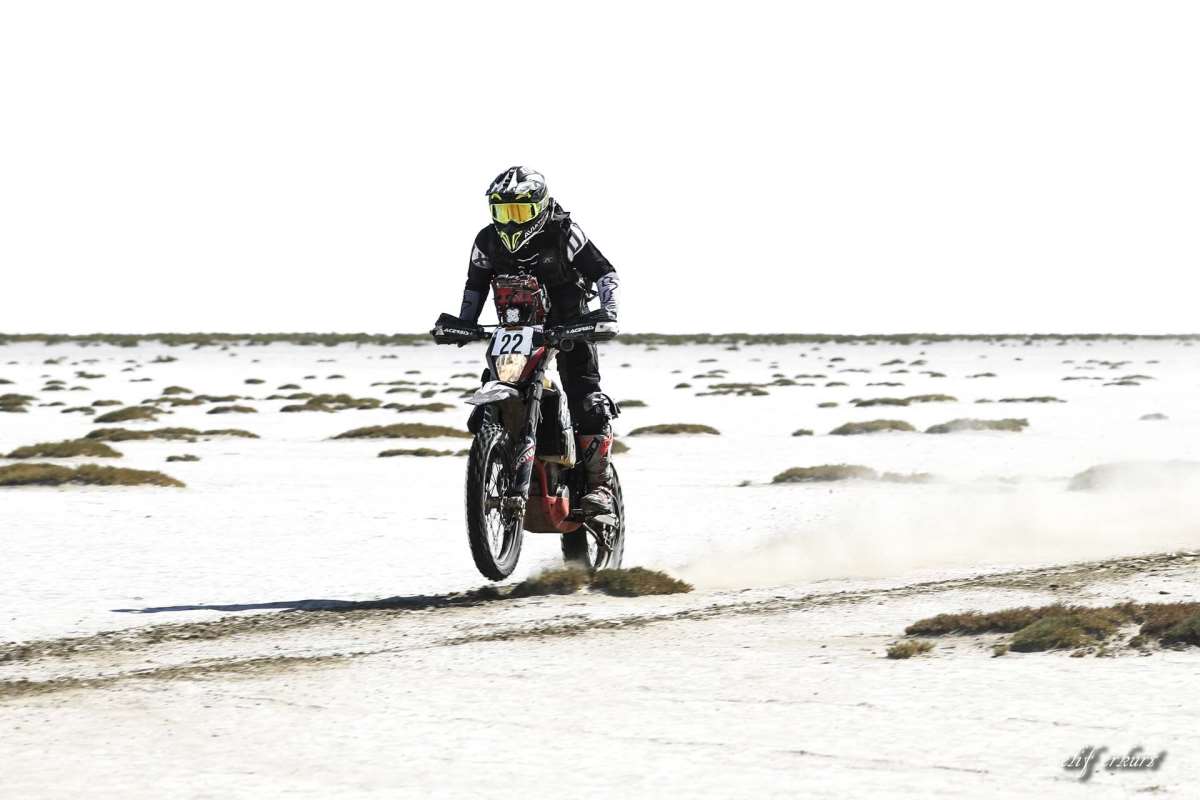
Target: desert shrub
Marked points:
683	386
183	457
220	398
983	375
827	404
637	581
632	404
674	428
130	414
1110	383
908	648
959	425
619	447
879	401
825	472
233	410
101	403
1076	627
331	402
553	581
254	381
170	434
421	452
72	448
739	389
176	390
288	386
1152	417
15	403
1041	399
802	432
402	408
932	398
873	426
85	410
404	430
85	474
832	384
175	402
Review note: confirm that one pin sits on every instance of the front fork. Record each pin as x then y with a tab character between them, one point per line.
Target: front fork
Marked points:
527	449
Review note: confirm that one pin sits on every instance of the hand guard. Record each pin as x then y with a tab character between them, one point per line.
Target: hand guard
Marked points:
606	332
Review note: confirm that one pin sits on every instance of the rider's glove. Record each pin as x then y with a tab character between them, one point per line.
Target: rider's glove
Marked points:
609	330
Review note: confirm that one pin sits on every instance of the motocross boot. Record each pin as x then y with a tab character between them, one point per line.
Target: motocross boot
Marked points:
594	455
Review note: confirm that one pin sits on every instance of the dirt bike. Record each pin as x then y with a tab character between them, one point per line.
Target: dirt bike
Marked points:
522	474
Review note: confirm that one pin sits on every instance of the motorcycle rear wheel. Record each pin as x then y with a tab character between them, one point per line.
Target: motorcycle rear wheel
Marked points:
494	533
580	548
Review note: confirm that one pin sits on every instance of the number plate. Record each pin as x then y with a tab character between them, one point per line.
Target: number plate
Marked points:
513	341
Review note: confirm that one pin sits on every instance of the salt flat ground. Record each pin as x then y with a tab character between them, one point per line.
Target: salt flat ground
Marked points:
768	679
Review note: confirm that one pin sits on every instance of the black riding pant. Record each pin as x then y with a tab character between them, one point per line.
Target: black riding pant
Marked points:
579	372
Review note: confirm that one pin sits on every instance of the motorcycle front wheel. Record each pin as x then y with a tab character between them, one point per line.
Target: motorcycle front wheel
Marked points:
580	548
493	531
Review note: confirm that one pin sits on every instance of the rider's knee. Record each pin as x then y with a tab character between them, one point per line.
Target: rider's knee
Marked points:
596	412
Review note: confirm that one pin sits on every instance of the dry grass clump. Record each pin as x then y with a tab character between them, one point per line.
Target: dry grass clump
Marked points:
183	457
330	402
15	403
637	581
873	426
825	472
401	408
233	410
170	434
673	428
1063	627
632	404
85	410
553	581
73	448
879	401
85	474
176	390
905	401
909	648
130	414
421	452
959	425
404	430
739	389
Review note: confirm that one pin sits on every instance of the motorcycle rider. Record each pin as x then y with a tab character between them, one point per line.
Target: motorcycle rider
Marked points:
530	234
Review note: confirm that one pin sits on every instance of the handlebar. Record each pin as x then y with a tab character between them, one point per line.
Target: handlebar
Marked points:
451	330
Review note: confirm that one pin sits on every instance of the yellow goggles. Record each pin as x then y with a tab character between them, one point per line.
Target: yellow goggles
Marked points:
517	212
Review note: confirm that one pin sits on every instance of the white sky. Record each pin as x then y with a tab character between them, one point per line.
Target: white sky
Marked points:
830	166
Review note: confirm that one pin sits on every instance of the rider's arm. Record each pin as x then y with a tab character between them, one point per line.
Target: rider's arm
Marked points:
479	281
591	263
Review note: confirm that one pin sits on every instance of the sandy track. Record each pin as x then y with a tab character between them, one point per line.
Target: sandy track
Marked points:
702	694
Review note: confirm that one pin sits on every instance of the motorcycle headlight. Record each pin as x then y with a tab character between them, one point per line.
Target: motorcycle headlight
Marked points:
510	366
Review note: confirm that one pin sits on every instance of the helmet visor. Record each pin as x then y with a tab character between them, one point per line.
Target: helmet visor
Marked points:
516	212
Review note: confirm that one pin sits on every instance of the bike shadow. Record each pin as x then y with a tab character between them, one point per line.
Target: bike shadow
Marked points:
400	602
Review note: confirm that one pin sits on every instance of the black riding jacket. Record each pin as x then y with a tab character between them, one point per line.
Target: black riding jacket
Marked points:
560	256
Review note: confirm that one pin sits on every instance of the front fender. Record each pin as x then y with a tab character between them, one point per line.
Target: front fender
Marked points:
493	392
